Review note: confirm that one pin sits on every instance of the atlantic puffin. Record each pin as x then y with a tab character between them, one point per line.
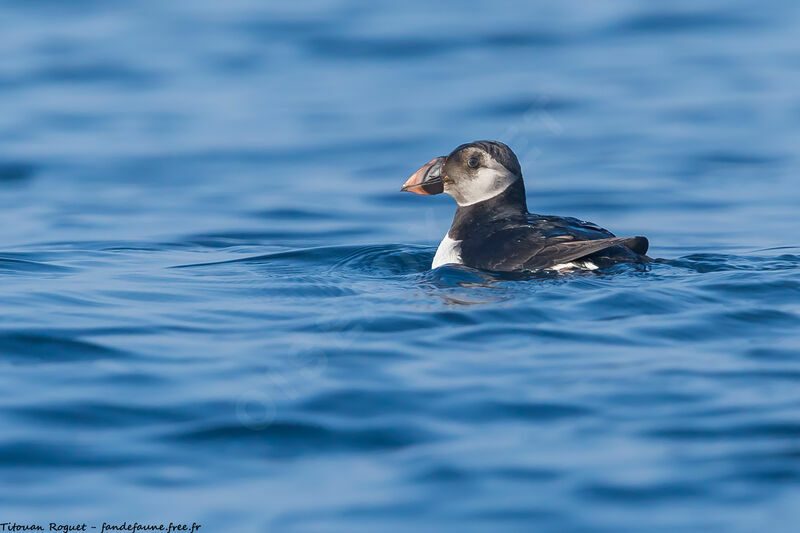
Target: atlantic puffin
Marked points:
492	228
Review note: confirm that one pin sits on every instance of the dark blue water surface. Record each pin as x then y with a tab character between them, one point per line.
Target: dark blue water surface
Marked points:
217	307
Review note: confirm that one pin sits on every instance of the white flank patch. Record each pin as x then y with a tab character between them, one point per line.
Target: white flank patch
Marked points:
585	265
448	253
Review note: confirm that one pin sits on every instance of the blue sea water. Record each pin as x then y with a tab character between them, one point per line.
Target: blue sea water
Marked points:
217	307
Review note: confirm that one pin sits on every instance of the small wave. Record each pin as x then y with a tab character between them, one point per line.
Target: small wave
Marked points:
42	348
15	171
98	72
302	255
21	266
654	23
712	262
80	414
26	454
392	259
297	438
371	261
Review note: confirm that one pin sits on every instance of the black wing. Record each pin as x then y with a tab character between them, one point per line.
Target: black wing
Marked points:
545	241
565	252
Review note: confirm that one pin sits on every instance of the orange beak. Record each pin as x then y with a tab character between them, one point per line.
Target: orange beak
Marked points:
428	179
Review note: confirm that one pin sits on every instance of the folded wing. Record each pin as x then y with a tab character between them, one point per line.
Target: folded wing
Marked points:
564	252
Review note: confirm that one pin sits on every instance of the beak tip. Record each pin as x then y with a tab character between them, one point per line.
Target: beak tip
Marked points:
426	180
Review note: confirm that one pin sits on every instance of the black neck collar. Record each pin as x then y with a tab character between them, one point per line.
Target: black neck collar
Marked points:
482	216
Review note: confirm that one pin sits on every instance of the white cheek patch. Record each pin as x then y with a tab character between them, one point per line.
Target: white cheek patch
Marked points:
487	183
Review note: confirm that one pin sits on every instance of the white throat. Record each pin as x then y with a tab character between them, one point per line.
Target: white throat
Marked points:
448	253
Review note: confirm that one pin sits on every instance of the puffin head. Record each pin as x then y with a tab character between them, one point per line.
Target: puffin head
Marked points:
471	173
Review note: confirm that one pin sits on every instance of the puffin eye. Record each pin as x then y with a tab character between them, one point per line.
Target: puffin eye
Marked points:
473	162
